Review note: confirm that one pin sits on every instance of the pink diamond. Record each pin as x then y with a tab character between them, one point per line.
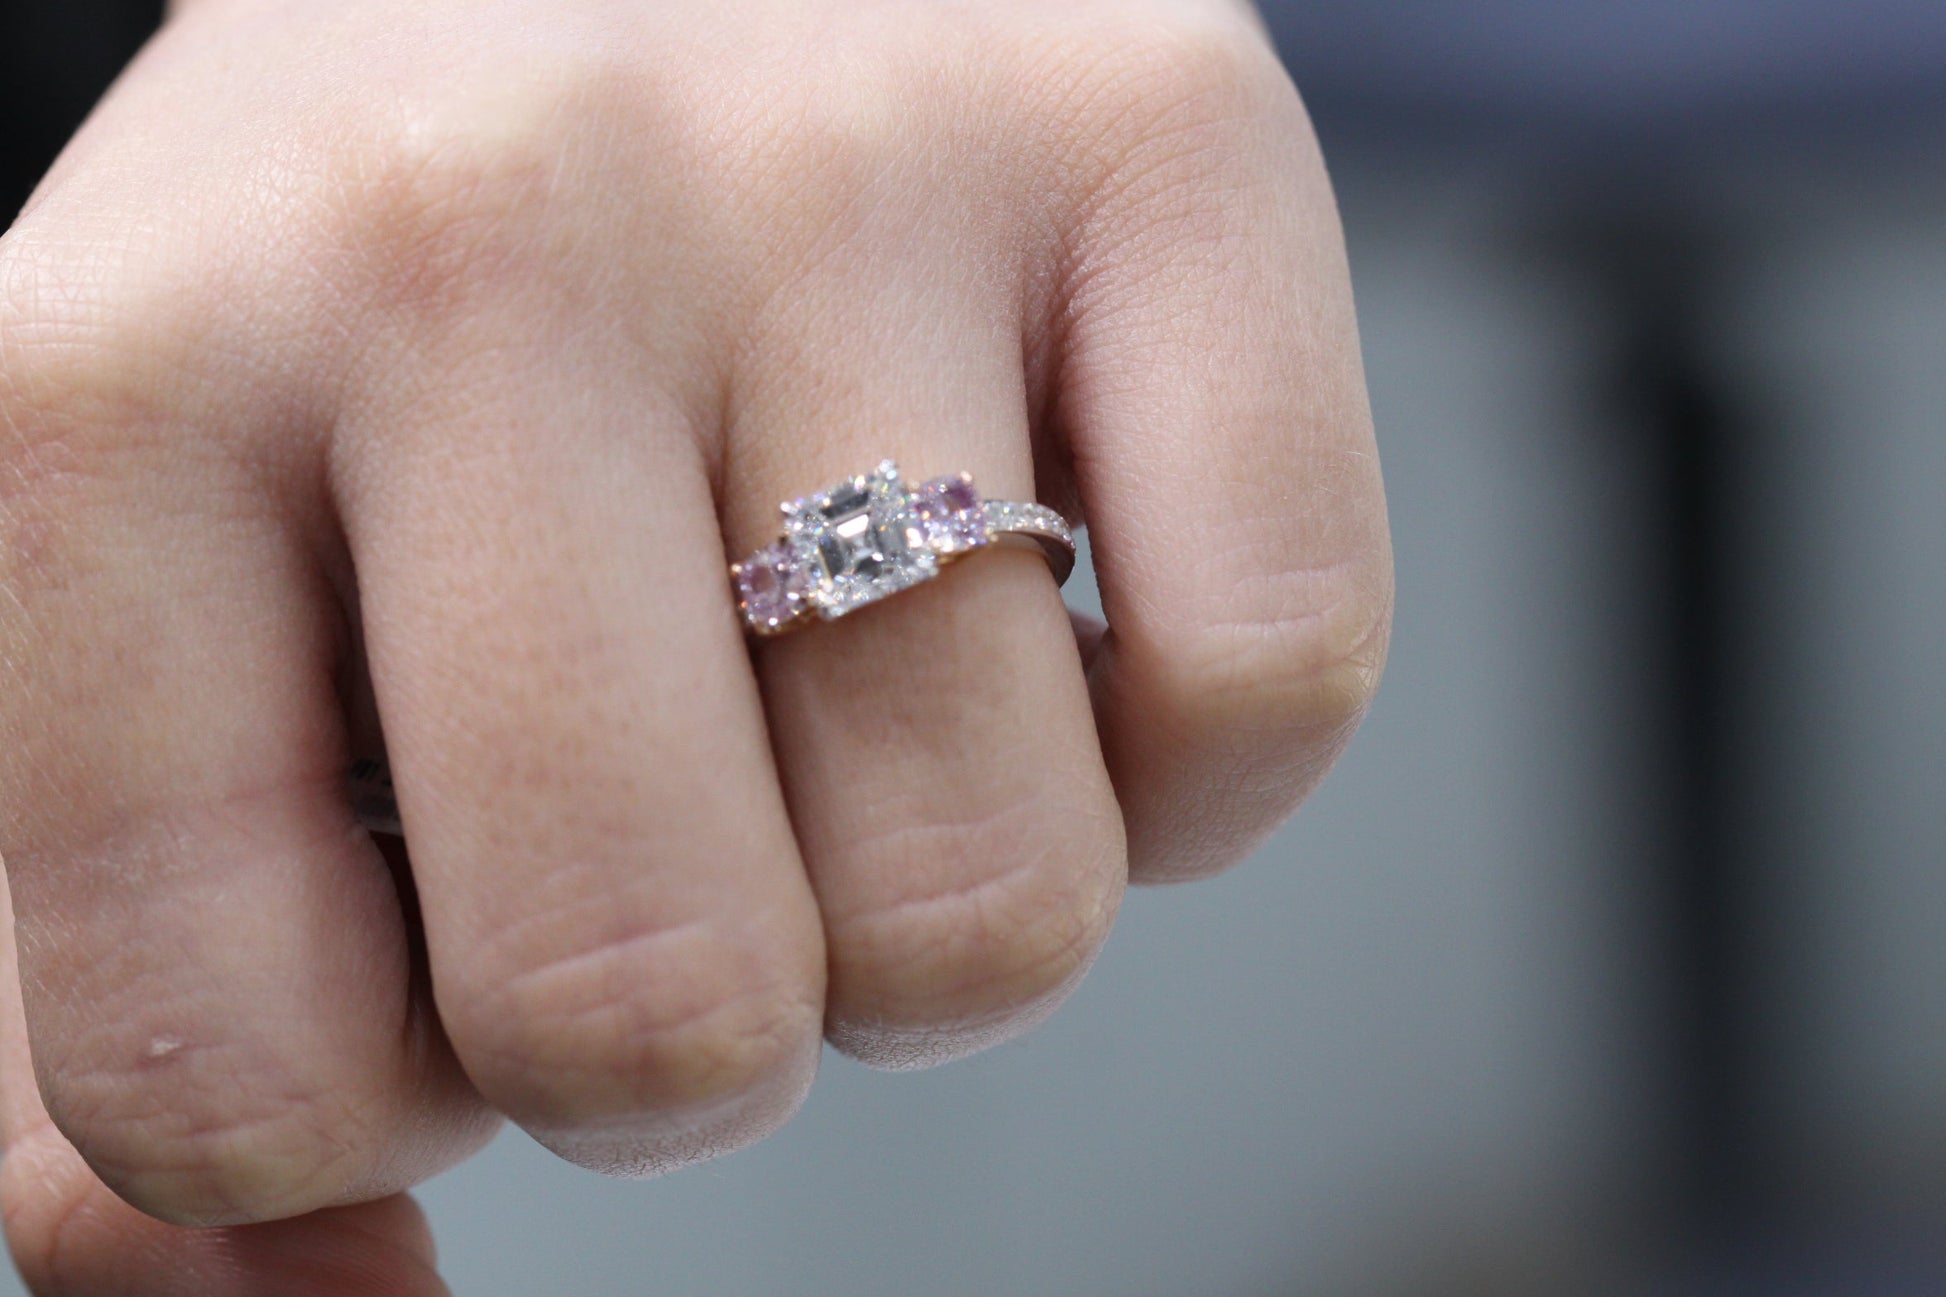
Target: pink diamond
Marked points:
950	511
769	588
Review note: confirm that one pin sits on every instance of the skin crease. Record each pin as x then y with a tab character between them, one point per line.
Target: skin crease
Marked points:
461	342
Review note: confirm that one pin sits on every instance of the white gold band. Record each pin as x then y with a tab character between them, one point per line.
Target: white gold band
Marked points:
1038	523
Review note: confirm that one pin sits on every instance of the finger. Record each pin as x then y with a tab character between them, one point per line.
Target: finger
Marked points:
625	951
70	1235
1088	632
937	748
215	969
1209	388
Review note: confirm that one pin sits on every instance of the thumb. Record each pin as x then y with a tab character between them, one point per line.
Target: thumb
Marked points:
72	1237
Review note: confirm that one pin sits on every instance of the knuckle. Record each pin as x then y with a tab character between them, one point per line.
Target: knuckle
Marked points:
643	1023
1162	104
1031	889
81	343
59	1218
99	360
1243	709
1297	649
205	1147
484	185
799	171
828	136
434	213
1184	57
1252	705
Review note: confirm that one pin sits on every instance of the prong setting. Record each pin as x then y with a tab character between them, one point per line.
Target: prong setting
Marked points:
872	535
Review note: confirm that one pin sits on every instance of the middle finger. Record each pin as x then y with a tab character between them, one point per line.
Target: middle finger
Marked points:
624	951
937	749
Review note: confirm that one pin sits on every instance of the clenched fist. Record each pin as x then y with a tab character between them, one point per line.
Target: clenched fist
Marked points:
441	355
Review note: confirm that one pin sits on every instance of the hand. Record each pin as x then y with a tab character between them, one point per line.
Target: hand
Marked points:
472	338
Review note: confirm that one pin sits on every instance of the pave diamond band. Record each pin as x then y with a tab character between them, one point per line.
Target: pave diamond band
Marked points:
873	535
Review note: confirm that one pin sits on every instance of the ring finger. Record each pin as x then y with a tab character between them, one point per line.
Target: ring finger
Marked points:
937	749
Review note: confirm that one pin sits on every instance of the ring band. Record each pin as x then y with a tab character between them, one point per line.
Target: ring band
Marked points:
871	536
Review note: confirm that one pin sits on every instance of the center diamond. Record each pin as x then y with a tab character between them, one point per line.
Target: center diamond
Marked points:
860	541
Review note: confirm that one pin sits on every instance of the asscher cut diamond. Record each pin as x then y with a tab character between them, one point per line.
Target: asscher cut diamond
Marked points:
858	542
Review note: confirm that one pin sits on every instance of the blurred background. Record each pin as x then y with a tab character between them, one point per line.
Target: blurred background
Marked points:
1613	958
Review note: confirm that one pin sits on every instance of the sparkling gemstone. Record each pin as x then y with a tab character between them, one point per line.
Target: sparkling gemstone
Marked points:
861	540
856	542
950	514
770	587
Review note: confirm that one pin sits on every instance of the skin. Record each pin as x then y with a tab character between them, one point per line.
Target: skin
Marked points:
462	343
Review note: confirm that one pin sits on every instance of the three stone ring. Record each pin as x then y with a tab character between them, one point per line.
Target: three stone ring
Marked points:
865	538
873	535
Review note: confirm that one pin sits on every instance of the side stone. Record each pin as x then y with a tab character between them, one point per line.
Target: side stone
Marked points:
950	514
771	588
